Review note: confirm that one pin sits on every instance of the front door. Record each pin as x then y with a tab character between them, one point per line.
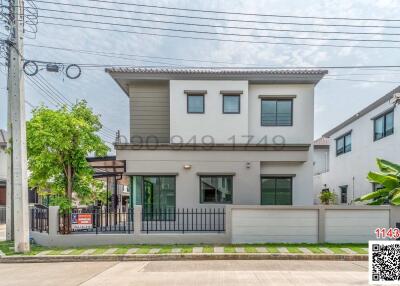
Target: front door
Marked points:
158	194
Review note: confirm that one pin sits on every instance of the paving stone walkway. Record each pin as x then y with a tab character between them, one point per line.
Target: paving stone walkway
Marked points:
132	250
110	251
88	252
46	252
326	250
66	252
218	249
154	250
176	250
240	250
348	251
197	249
283	250
261	249
305	250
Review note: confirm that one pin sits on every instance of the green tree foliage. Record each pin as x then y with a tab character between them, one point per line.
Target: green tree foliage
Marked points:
327	197
389	179
58	142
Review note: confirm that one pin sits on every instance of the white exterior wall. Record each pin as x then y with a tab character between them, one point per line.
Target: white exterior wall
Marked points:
321	160
213	122
302	130
351	168
269	225
302	180
354	225
246	181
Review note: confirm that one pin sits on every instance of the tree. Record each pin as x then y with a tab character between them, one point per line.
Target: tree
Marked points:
58	142
389	179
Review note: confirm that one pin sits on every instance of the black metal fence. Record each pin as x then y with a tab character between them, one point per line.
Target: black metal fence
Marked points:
96	221
40	219
183	220
2	215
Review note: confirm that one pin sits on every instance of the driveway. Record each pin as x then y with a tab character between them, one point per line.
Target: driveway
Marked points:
233	272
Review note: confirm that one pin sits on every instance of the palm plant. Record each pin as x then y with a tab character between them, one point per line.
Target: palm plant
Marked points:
389	179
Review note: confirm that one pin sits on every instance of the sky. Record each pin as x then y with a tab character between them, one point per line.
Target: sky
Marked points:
335	100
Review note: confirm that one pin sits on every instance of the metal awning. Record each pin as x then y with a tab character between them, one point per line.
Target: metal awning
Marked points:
107	166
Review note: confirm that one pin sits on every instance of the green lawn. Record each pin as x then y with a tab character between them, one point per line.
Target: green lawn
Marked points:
7	248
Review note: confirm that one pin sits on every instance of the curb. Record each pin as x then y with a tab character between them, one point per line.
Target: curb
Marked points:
189	256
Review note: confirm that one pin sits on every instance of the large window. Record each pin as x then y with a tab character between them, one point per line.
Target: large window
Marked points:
216	189
276	112
195	103
343	144
383	125
153	192
276	191
231	104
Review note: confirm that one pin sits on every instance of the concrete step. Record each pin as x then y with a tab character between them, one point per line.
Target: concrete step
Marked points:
261	249
110	251
154	250
197	249
88	252
283	250
218	249
132	250
240	250
305	250
348	251
326	250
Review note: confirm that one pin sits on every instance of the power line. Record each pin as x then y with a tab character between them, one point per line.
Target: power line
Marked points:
221	40
220	33
217	26
111	54
244	14
218	19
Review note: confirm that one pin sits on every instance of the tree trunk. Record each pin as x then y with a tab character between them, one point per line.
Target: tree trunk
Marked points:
69	182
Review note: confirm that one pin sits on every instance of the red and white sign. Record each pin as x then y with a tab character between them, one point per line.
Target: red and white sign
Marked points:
81	221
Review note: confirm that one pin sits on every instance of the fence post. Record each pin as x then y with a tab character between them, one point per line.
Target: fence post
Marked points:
137	219
54	222
228	222
321	224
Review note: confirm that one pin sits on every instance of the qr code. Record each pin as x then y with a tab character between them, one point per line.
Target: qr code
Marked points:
384	262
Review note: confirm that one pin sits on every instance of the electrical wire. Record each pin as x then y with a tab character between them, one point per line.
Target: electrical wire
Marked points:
244	14
216	26
220	40
219	12
213	18
112	54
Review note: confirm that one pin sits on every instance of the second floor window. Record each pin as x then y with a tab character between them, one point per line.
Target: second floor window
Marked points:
276	112
343	144
383	125
195	103
231	104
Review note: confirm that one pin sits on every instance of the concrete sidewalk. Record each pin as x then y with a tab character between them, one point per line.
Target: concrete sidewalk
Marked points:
185	273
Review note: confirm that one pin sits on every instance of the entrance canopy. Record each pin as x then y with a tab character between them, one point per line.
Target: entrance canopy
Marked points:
107	166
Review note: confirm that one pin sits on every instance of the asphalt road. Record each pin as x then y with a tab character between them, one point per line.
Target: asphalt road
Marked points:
174	273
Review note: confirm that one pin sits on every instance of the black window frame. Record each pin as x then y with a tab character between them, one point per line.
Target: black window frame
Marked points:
212	176
343	137
342	189
275	178
187	103
276	108
223	103
385	134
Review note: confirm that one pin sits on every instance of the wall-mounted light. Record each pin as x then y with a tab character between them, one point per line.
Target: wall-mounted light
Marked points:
187	166
248	165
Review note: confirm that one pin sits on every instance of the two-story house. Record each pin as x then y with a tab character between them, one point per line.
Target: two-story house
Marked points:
207	137
354	146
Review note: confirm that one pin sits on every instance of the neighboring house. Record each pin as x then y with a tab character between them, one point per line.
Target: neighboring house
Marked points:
321	165
207	137
354	146
3	166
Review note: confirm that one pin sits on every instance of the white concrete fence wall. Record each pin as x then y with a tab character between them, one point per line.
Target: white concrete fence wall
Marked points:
335	224
250	224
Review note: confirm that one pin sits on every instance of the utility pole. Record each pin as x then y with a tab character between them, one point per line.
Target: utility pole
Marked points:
16	98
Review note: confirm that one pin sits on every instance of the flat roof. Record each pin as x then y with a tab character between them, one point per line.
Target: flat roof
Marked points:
384	99
126	75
